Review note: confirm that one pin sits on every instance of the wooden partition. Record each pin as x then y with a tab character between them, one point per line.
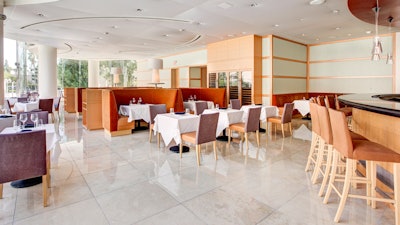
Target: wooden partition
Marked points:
69	100
92	109
115	124
216	95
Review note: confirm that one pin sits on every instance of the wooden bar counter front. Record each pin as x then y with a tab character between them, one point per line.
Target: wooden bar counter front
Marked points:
379	121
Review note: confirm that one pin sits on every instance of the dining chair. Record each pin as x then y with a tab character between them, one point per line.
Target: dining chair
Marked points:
315	137
154	111
200	107
10	107
252	124
43	115
320	100
235	103
205	132
286	118
57	105
355	150
47	105
22	99
22	156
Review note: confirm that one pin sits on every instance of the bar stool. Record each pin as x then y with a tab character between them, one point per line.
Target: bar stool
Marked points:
312	154
355	150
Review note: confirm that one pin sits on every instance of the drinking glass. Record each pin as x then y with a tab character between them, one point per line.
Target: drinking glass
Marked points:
187	110
140	100
34	118
133	100
16	124
23	118
171	110
194	97
40	123
217	106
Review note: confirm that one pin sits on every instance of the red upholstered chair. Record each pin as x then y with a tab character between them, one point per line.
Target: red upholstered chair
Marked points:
206	132
154	111
355	150
235	104
23	156
200	107
286	118
47	105
252	124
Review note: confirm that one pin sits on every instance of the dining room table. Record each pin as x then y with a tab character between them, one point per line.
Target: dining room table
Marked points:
6	120
25	106
172	125
226	117
52	139
136	112
191	105
303	106
266	111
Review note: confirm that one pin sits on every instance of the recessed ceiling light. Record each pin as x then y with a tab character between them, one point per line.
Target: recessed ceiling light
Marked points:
139	10
276	25
254	5
301	19
106	33
336	11
368	32
40	14
244	32
316	2
166	35
181	30
225	5
337	28
231	35
114	27
349	35
303	35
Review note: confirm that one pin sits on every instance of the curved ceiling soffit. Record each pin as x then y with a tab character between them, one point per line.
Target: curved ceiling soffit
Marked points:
363	10
108	17
25	2
68	50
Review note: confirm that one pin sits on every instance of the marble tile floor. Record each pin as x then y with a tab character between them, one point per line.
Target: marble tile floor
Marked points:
127	180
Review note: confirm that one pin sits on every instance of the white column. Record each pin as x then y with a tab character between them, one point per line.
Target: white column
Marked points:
1	53
47	72
93	73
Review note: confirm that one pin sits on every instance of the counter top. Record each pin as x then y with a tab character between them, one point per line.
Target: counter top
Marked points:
387	104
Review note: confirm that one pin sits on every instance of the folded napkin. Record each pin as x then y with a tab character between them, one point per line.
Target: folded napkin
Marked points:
25	130
5	116
29	125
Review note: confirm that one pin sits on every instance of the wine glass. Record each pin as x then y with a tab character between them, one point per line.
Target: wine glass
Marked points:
34	118
133	100
23	118
139	100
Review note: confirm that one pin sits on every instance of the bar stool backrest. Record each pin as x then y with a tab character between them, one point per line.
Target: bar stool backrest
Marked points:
341	134
325	124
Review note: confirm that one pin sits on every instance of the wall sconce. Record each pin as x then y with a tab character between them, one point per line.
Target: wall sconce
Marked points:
155	65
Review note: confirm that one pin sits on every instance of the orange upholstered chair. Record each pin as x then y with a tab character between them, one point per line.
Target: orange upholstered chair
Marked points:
355	150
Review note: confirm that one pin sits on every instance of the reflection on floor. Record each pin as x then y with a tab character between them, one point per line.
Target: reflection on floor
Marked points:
127	180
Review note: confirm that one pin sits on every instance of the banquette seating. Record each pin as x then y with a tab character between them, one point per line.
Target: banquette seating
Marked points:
115	124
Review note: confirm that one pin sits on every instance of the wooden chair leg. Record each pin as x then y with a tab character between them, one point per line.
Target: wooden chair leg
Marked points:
327	170
150	133
318	164
229	136
346	188
314	140
180	149
158	139
247	141
44	187
335	160
215	150
283	130
290	128
258	138
1	191
198	154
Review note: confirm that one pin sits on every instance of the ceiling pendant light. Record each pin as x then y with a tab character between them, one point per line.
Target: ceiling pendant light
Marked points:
389	57
377	47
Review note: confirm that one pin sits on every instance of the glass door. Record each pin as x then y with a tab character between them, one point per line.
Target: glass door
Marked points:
234	85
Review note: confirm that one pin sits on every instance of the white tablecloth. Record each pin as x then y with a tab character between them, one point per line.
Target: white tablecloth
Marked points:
51	135
303	106
6	122
192	106
302	133
226	117
136	112
25	106
171	126
266	111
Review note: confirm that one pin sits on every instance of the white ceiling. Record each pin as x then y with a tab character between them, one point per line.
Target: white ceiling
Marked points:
137	29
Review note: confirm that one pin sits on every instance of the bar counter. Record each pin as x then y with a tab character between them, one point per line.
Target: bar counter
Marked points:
377	117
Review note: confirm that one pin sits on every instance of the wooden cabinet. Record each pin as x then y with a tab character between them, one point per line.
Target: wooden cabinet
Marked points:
92	109
69	100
